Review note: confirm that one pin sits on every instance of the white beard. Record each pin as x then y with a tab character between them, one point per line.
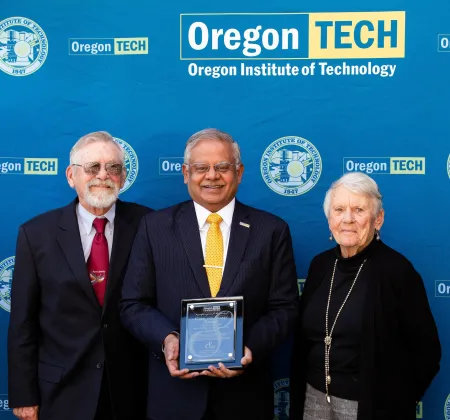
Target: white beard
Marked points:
101	199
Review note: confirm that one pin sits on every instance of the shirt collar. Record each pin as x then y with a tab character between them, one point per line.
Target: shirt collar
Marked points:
86	218
226	213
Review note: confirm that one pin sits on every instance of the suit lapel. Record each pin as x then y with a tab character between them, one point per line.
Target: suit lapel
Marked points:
238	242
190	236
69	239
124	234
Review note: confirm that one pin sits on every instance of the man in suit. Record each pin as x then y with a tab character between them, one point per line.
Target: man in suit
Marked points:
174	257
68	355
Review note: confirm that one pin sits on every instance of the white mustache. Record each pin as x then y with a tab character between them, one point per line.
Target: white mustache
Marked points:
99	183
101	199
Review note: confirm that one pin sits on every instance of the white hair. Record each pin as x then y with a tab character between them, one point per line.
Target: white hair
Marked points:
212	134
358	183
97	136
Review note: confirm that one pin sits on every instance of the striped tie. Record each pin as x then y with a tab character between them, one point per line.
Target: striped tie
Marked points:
214	253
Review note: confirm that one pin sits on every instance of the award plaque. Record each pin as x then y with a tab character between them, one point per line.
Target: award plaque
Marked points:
211	332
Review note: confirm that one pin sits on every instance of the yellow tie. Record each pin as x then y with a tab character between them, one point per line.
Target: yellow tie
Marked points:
214	253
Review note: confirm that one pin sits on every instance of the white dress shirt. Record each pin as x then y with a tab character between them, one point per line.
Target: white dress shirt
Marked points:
226	214
87	230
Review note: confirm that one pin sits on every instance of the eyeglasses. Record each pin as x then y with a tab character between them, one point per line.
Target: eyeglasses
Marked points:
203	168
93	168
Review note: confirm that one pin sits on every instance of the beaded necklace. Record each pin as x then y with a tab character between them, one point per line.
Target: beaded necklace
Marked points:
328	335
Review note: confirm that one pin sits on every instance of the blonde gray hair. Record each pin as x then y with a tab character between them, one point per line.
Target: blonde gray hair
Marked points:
97	136
358	183
212	134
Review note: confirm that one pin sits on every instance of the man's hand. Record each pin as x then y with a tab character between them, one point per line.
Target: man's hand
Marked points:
171	353
26	413
223	372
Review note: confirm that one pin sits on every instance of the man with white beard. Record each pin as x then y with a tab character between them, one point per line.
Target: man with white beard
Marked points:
68	355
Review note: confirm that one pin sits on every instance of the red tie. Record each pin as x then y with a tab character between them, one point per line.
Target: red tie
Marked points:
98	261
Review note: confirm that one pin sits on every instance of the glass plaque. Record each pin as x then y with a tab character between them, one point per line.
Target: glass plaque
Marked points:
211	332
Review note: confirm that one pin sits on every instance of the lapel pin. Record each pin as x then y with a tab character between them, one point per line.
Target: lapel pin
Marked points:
244	224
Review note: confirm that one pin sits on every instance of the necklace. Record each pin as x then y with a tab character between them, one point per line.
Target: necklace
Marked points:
328	335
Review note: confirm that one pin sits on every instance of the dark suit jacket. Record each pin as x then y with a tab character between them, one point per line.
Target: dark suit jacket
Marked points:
166	265
400	349
59	338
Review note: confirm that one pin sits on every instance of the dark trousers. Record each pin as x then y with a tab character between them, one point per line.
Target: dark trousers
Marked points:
104	407
209	414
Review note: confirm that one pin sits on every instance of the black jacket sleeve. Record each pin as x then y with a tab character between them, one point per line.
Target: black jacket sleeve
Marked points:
23	332
417	322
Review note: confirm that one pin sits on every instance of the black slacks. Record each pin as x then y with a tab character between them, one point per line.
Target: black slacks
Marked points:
104	407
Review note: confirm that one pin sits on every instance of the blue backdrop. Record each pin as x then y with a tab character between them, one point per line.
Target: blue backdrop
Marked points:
309	90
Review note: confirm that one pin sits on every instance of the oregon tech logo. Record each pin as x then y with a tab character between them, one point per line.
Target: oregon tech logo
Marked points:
6	274
171	165
23	46
4	402
292	36
448	166
131	164
442	288
281	399
291	166
108	46
447	408
28	166
385	165
301	285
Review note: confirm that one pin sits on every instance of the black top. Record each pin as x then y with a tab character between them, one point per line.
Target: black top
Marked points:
400	349
346	336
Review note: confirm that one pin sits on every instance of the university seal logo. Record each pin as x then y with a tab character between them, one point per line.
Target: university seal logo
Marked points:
131	164
281	389
291	166
447	408
23	46
6	274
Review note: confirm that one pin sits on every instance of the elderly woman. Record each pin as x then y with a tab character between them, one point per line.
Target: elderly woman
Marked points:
367	346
